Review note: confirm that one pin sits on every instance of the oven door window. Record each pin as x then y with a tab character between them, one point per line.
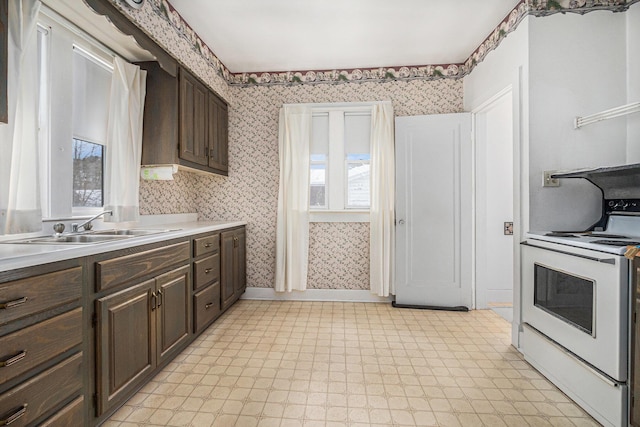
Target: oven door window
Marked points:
567	297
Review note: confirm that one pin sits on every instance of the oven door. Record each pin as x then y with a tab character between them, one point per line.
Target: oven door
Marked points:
579	299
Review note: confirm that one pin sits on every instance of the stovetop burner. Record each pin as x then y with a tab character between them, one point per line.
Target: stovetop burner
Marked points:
621	229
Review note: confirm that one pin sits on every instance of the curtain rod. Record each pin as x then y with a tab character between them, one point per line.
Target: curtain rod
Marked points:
623	110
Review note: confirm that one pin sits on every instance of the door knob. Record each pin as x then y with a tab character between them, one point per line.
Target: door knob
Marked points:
401	222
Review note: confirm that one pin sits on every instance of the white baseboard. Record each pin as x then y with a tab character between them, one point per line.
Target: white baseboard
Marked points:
338	295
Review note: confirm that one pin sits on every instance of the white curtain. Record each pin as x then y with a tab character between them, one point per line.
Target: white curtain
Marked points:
124	141
20	210
292	232
382	228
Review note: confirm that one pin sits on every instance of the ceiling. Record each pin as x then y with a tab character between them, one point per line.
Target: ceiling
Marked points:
285	35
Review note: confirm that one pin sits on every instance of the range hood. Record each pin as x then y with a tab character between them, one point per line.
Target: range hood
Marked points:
616	182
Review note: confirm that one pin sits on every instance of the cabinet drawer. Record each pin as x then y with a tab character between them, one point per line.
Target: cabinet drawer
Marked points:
70	415
206	245
126	268
205	271
30	400
206	306
32	346
32	295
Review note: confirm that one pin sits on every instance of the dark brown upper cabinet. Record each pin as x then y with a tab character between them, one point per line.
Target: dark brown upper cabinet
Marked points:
185	123
218	126
193	119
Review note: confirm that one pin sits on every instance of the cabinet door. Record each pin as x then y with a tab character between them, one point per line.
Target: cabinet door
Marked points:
635	345
239	262
227	283
193	119
218	133
172	313
125	341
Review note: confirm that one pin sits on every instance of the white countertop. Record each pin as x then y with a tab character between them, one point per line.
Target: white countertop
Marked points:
20	255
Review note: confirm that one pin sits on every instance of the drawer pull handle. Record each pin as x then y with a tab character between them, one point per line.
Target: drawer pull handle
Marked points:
208	270
208	306
13	303
13	417
206	245
13	359
153	301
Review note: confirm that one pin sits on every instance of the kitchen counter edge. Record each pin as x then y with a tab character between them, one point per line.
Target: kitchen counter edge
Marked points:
14	256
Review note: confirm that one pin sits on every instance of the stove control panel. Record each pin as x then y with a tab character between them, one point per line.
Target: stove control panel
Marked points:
622	205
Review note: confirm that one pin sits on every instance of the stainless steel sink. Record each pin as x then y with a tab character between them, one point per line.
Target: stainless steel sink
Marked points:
73	239
93	237
132	232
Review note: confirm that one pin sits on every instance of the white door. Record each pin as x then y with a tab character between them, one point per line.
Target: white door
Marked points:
494	204
433	210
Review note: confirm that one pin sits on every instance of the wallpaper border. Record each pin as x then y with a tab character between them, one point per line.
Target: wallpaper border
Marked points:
538	8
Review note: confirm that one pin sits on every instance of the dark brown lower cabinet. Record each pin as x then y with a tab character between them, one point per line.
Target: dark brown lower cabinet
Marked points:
634	405
240	262
173	314
70	415
137	328
84	335
233	278
42	363
206	307
41	394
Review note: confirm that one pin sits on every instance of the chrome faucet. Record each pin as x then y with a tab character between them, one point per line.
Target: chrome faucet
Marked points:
87	224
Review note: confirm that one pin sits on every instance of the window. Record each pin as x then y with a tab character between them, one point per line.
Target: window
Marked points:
75	82
90	112
339	160
88	170
357	139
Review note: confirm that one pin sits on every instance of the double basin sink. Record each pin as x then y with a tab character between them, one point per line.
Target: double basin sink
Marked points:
99	236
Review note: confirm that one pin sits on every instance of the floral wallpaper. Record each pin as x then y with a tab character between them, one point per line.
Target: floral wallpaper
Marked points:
171	33
338	251
340	255
167	27
170	197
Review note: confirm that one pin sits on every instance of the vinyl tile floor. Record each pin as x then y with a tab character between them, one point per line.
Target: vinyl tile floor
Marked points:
295	364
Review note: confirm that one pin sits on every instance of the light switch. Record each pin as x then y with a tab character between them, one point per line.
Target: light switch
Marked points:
508	228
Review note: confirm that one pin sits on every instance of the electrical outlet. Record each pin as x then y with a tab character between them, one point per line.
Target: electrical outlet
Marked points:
547	181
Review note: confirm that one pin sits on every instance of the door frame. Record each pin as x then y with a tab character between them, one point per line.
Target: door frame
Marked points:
516	164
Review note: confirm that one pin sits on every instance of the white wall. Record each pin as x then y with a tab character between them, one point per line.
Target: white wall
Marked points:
577	67
507	66
499	69
633	81
504	67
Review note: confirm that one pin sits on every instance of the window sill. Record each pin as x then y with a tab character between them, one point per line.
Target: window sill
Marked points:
339	216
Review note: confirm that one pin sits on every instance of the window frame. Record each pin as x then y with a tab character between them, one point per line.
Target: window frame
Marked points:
337	209
62	40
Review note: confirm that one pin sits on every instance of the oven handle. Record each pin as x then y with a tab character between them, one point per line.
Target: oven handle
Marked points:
611	261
